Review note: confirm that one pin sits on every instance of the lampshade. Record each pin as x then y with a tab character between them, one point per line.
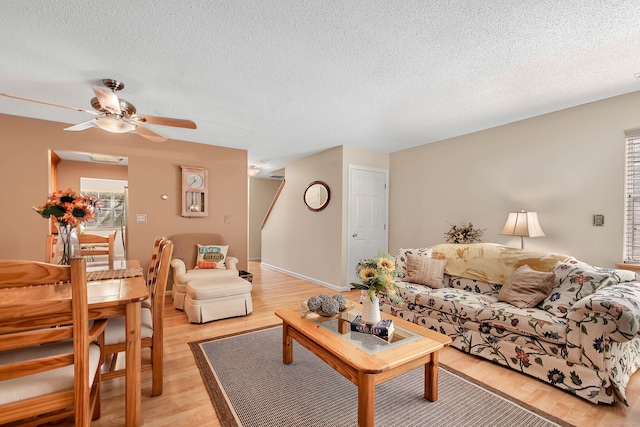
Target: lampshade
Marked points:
523	224
113	125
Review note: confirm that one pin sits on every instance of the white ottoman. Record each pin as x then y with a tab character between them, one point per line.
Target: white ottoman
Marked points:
208	300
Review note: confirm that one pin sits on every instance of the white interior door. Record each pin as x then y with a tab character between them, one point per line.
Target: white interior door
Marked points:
368	215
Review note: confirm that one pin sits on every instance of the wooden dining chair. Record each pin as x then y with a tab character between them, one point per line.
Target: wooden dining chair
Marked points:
50	248
152	321
49	359
152	270
94	245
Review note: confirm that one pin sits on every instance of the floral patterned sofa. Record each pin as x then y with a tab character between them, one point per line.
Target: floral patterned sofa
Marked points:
583	337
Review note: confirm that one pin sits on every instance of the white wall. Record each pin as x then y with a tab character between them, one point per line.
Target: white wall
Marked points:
567	166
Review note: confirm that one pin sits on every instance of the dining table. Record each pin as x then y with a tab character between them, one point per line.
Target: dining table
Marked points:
113	291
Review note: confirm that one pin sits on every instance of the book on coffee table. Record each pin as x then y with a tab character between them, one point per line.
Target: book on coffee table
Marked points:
382	329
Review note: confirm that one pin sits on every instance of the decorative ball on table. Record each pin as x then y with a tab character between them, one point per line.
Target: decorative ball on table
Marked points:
326	305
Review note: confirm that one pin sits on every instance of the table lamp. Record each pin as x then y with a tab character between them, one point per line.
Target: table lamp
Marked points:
523	224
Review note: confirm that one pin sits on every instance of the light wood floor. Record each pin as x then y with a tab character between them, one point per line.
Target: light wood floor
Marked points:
185	401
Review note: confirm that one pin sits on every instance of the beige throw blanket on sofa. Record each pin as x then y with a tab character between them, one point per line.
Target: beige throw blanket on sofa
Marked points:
490	262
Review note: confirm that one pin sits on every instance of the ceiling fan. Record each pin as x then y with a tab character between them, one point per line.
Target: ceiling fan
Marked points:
116	115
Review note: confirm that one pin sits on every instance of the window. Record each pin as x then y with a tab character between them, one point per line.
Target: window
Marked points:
632	197
111	194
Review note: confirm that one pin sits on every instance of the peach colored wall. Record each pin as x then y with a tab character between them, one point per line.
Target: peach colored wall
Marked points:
70	172
154	169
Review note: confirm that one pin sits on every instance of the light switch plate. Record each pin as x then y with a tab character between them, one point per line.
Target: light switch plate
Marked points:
141	217
598	220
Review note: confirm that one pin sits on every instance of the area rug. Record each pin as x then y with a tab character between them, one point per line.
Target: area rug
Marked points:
250	386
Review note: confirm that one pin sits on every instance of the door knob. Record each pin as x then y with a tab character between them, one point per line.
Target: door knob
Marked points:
354	235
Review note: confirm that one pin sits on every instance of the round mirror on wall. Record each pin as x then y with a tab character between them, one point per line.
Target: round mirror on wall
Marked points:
317	196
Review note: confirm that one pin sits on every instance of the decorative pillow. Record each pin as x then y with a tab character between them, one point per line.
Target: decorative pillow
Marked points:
401	258
211	256
574	281
526	287
425	271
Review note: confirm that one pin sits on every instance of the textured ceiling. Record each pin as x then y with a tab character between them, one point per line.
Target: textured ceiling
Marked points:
284	79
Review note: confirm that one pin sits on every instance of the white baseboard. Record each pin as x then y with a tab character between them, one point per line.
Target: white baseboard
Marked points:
300	276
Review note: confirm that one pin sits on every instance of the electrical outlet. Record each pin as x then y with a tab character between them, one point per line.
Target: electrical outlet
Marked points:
598	220
227	219
141	217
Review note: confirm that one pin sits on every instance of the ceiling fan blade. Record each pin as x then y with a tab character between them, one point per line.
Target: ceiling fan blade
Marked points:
108	100
50	103
145	132
165	121
81	126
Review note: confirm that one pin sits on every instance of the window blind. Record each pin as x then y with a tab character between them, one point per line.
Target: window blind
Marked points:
632	196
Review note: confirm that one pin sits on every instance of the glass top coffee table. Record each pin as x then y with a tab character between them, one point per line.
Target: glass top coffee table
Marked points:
364	359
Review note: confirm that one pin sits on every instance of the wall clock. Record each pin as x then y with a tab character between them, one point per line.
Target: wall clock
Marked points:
194	192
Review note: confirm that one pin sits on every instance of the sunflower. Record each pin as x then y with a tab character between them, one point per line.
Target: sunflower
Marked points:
368	274
377	275
68	207
61	197
385	264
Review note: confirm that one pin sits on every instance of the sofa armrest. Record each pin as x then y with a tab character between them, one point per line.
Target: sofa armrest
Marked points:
614	310
231	263
178	266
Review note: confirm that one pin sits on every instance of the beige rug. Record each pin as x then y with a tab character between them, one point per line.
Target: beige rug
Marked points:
250	386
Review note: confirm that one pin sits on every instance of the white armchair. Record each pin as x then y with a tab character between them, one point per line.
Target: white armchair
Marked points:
184	261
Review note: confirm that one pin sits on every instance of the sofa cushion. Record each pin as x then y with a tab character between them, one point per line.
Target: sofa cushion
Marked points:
490	262
454	301
201	273
425	271
472	285
207	289
529	322
526	287
574	281
401	258
211	256
462	307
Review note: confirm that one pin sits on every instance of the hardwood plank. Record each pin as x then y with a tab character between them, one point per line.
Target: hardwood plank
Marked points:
185	401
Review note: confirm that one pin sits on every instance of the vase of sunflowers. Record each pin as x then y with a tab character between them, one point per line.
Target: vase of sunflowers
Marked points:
70	210
376	275
67	241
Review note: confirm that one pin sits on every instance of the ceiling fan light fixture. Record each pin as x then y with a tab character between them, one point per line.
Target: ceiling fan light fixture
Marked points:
253	170
113	125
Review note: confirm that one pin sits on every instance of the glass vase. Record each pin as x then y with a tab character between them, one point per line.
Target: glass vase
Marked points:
67	241
370	308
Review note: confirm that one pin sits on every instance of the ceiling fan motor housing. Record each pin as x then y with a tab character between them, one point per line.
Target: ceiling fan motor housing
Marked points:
112	84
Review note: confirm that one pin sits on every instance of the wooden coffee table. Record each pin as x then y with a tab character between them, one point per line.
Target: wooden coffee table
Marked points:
364	359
